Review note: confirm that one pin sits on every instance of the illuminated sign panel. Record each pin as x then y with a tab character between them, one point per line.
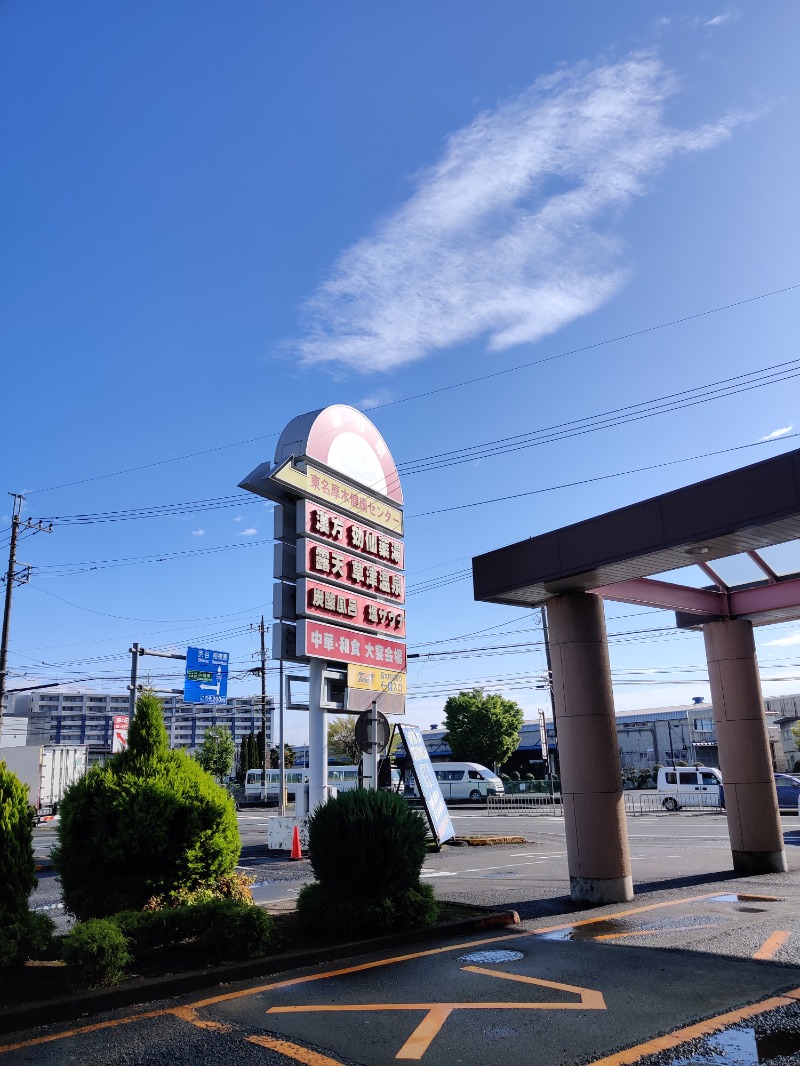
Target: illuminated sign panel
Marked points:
346	607
331	564
328	525
325	641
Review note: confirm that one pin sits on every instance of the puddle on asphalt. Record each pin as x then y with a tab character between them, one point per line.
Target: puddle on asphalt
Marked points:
617	927
737	897
742	1047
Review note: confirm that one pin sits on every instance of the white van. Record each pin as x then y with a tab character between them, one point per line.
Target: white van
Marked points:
342	778
690	786
464	781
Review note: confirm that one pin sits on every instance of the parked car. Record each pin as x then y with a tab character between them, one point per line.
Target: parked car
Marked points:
690	786
788	789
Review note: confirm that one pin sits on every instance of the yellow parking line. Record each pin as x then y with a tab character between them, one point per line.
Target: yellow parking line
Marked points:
691	1032
81	1030
294	1051
420	1040
242	993
772	944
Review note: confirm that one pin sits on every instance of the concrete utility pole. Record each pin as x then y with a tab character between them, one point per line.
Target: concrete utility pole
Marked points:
264	703
13	577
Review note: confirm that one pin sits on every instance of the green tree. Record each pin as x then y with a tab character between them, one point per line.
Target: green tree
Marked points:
255	762
481	727
342	738
796	735
244	757
216	752
150	821
288	756
17	877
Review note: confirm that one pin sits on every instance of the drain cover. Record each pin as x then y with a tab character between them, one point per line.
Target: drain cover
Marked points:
491	956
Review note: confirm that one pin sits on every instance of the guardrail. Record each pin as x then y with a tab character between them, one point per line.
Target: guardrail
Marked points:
651	802
528	801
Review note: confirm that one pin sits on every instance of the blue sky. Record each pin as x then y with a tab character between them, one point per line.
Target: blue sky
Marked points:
472	221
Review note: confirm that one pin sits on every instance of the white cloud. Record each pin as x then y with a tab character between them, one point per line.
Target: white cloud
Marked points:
238	518
509	236
778	432
375	399
198	532
251	532
718	20
783	642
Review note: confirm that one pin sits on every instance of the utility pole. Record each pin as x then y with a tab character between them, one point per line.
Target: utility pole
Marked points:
264	705
12	577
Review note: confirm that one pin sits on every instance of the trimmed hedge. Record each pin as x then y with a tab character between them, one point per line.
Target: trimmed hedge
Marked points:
366	849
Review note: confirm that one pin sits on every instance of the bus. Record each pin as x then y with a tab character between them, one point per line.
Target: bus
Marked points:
342	778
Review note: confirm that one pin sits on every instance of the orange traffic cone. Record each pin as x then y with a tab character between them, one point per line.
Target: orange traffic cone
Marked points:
296	850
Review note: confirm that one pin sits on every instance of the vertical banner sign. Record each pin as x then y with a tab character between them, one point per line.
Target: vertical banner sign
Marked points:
340	561
206	676
427	785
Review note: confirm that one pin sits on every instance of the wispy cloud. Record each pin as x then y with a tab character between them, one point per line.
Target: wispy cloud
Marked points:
238	518
783	642
198	532
251	532
778	432
510	235
718	20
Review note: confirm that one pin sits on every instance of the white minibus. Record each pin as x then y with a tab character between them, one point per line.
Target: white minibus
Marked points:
465	781
341	778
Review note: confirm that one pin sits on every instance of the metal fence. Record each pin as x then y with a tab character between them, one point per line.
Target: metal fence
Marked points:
521	802
636	802
645	802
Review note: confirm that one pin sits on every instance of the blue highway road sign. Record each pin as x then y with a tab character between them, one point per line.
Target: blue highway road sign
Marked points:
206	676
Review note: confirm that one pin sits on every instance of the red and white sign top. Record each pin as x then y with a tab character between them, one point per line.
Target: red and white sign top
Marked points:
344	440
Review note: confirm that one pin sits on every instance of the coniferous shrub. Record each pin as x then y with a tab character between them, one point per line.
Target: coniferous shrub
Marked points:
96	953
366	850
149	821
23	933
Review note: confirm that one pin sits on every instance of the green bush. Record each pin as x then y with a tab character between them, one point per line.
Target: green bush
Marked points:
331	917
96	953
17	876
234	886
149	822
366	849
224	928
366	844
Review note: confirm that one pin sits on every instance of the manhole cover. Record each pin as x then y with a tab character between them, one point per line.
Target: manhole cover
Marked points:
491	956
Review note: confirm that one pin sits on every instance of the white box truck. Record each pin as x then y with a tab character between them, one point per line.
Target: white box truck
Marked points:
48	770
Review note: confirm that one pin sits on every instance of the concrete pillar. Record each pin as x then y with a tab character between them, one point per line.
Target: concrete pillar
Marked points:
591	781
317	737
751	802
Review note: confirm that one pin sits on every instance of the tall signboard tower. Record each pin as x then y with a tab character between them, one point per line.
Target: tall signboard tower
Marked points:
339	595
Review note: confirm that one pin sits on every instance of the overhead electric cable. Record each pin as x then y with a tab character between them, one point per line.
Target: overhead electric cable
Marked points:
444	388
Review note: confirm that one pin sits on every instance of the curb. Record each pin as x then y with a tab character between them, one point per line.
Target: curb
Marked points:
72	1007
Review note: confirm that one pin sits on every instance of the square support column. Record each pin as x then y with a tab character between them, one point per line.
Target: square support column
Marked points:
751	802
591	779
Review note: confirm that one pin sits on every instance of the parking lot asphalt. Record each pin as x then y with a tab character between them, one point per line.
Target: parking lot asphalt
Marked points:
650	981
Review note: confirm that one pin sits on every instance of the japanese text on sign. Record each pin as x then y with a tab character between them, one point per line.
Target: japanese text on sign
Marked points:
345	569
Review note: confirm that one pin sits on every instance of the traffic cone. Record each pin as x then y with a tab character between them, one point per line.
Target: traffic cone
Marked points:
296	850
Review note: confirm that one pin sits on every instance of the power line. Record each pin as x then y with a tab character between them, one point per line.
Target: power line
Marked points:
445	388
